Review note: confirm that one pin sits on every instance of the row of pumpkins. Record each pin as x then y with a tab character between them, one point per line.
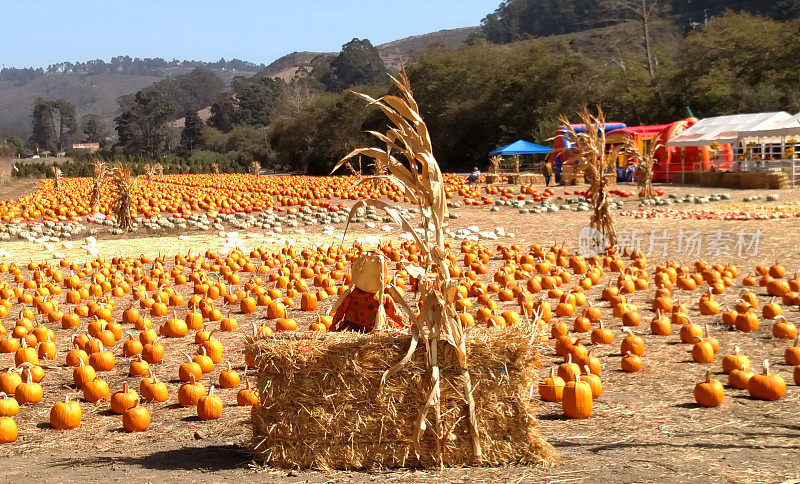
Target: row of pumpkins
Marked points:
576	382
186	194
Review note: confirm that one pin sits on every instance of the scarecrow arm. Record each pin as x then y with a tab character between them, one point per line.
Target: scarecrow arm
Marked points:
392	313
341	311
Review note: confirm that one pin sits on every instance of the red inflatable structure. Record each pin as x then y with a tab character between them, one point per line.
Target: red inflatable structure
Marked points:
669	161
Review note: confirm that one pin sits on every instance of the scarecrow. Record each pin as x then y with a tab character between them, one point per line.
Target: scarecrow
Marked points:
365	305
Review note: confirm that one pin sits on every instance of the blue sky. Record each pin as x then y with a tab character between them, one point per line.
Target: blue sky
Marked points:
38	33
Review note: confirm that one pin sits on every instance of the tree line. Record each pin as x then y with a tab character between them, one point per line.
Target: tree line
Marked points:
122	65
172	164
516	20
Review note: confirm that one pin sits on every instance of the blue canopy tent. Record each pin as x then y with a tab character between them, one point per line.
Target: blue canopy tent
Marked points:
521	147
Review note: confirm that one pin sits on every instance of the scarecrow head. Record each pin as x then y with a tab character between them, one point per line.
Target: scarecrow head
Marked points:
370	271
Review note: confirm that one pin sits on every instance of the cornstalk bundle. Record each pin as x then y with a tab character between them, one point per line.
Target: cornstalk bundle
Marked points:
644	170
589	152
214	169
150	171
98	179
255	168
57	176
421	180
124	183
494	164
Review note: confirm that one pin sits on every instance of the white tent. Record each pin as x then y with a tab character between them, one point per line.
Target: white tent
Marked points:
783	128
726	129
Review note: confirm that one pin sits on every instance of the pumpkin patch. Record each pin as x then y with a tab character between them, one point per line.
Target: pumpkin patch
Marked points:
154	341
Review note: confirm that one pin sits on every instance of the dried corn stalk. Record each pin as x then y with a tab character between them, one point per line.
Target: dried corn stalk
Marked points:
255	168
380	167
150	171
124	183
57	176
588	151
417	173
214	168
516	163
644	169
98	179
494	164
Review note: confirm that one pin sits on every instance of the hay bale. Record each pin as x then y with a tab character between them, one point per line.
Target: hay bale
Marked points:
531	179
689	178
710	178
323	405
730	180
748	179
513	178
778	180
492	179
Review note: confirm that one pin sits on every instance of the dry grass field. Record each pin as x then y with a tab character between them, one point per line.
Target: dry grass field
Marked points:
645	426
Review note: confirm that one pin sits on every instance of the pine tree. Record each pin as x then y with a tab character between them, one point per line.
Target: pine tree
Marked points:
192	134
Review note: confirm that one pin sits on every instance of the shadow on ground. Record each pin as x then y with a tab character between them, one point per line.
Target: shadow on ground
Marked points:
212	458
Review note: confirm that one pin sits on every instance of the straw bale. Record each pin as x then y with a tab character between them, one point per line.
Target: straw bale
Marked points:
689	178
731	180
777	180
753	180
492	179
531	179
323	405
711	178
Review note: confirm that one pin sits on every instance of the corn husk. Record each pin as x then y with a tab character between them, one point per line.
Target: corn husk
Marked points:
99	174
124	183
494	164
56	178
644	170
588	151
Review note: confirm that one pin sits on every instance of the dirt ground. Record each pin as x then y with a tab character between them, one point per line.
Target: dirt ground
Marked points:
17	187
645	426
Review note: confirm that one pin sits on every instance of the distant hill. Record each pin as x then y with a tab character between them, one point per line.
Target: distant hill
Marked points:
286	66
91	94
204	114
393	53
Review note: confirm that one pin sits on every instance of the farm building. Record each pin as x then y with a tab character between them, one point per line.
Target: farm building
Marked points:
757	142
